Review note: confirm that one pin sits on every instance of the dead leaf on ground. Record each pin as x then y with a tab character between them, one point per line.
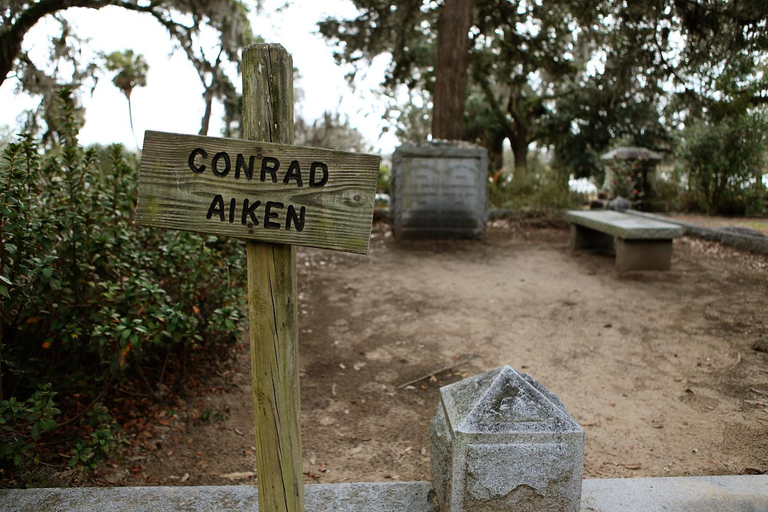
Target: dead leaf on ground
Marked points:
239	475
185	477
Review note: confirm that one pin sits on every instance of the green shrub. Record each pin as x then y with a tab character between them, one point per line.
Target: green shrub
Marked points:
88	300
384	180
545	193
722	161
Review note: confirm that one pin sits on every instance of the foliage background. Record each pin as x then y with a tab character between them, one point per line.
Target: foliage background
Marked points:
92	304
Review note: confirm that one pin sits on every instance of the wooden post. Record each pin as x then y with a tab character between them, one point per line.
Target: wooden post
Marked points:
268	116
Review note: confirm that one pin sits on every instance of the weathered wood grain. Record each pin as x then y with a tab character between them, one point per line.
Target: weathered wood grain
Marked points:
338	215
272	309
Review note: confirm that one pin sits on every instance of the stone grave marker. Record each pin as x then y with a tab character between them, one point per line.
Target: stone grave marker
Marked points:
439	190
275	196
502	441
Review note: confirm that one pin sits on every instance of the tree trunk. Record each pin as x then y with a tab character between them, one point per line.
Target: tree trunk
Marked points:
130	120
206	121
520	150
453	25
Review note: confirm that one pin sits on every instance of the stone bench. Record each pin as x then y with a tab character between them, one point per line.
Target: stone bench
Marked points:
639	243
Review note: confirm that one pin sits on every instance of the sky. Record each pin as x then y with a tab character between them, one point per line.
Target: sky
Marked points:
172	100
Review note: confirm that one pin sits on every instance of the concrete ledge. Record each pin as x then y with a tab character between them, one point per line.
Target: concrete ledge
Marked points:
744	242
359	497
684	494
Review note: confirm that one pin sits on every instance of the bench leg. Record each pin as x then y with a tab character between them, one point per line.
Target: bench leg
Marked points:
585	238
643	254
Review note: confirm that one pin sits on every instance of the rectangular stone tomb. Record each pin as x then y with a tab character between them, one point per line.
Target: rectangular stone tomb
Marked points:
639	243
502	441
439	190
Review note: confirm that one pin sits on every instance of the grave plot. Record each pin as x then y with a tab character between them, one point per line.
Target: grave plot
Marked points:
646	362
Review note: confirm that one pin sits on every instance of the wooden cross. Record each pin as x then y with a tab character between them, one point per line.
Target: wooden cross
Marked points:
276	196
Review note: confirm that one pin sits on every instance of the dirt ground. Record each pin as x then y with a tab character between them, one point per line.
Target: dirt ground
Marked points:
658	367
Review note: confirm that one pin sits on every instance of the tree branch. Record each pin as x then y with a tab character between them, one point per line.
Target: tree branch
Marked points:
11	37
508	128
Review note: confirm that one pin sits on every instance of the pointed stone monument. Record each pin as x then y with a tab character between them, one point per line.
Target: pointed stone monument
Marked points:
502	441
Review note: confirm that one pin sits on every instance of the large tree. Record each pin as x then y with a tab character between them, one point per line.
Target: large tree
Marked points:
518	53
655	66
184	21
579	74
523	54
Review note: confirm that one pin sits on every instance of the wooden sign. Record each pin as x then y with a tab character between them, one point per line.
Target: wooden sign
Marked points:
275	195
258	190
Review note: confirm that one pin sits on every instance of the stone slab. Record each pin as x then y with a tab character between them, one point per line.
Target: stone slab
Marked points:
681	494
624	226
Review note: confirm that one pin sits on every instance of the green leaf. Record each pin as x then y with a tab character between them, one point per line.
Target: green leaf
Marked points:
47	424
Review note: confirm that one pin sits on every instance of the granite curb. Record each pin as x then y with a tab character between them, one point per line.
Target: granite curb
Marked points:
676	494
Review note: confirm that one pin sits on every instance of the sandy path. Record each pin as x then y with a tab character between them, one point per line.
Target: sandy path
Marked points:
644	361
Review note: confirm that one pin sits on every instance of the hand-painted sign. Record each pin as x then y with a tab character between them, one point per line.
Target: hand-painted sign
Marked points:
258	190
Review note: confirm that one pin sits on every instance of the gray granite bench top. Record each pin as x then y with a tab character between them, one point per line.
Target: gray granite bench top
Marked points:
681	494
622	225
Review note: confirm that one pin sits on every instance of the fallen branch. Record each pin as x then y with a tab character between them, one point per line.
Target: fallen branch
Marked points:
89	406
738	360
460	362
